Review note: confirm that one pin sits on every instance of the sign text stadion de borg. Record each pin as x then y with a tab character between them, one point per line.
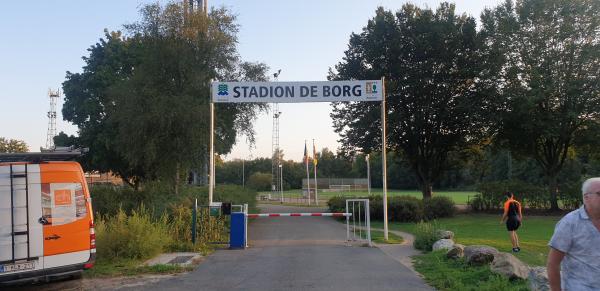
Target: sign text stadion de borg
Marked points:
295	92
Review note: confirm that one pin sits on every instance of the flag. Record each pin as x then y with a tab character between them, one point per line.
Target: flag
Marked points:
315	161
305	154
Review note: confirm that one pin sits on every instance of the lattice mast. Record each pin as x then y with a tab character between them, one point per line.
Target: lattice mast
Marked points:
53	95
275	151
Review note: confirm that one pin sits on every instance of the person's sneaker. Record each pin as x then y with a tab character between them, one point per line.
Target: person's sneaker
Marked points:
518	249
515	250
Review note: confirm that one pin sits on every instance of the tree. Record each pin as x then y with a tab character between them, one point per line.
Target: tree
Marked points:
429	59
145	97
65	140
548	79
12	146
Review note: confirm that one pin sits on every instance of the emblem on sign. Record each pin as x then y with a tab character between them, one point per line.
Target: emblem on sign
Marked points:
371	88
223	90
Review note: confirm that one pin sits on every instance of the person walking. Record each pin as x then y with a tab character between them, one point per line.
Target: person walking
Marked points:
513	216
574	258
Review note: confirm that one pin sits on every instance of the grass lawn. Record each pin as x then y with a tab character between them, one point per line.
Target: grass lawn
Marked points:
445	274
377	237
471	229
128	267
459	197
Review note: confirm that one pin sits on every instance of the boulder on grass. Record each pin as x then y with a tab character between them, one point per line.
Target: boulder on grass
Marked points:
445	244
457	251
509	266
445	234
479	254
538	279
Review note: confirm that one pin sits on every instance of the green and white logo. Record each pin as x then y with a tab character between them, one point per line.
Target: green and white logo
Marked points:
223	90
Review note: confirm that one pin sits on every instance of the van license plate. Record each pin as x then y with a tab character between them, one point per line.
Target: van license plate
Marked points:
16	267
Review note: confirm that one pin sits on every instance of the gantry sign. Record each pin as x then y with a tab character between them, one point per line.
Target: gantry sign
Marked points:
299	92
296	92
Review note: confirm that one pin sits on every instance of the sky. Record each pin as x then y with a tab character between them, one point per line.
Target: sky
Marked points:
42	40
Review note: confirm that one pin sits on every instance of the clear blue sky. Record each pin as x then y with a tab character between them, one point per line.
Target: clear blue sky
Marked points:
41	40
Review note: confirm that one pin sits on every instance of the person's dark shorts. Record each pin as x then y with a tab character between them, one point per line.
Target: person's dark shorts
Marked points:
512	224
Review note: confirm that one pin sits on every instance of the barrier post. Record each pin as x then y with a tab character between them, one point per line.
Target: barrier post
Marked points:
245	210
368	214
347	225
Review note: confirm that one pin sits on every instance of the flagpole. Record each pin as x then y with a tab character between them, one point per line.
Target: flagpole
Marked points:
307	175
315	162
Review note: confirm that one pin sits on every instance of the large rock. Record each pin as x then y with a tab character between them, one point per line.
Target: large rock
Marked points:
538	279
457	251
445	234
445	244
480	255
509	266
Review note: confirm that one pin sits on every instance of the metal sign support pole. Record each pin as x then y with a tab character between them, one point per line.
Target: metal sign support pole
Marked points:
383	162
211	179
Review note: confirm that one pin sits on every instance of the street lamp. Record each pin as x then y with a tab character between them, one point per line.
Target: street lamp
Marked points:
281	182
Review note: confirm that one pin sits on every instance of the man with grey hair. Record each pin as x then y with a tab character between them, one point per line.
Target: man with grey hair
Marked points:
574	258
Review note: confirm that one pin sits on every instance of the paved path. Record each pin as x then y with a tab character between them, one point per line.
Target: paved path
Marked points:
296	253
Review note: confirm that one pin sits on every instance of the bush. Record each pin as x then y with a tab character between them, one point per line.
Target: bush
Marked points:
404	209
259	181
491	195
159	198
107	200
400	208
426	234
438	207
135	236
571	196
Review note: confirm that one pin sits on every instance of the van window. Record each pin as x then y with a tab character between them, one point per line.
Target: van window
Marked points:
63	203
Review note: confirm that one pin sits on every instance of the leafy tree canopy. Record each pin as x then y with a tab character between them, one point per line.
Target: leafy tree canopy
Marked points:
12	146
430	62
142	100
548	59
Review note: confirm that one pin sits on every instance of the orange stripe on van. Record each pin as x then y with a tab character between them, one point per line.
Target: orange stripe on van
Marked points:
61	172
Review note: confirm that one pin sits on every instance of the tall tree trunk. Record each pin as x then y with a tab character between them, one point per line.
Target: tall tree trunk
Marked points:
426	189
553	184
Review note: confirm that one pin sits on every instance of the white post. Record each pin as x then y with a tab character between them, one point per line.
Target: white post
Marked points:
246	222
315	170
347	224
368	214
211	180
307	173
384	164
368	174
281	181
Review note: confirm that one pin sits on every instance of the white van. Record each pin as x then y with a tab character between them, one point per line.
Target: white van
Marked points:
46	221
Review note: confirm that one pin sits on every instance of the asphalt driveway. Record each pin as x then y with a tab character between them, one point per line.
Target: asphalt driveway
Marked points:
295	253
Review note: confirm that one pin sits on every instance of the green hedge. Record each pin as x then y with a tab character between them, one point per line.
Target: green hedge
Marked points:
491	195
401	208
159	198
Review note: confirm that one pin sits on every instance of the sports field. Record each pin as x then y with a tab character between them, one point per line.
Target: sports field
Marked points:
459	197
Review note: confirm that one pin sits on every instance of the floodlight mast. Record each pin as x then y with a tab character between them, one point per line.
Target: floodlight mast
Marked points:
275	151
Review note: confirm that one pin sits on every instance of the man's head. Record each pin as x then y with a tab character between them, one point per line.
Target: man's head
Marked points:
508	194
591	194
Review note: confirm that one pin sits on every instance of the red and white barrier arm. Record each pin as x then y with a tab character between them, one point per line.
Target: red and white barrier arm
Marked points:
336	214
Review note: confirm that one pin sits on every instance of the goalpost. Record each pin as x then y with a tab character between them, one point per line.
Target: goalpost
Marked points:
298	92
